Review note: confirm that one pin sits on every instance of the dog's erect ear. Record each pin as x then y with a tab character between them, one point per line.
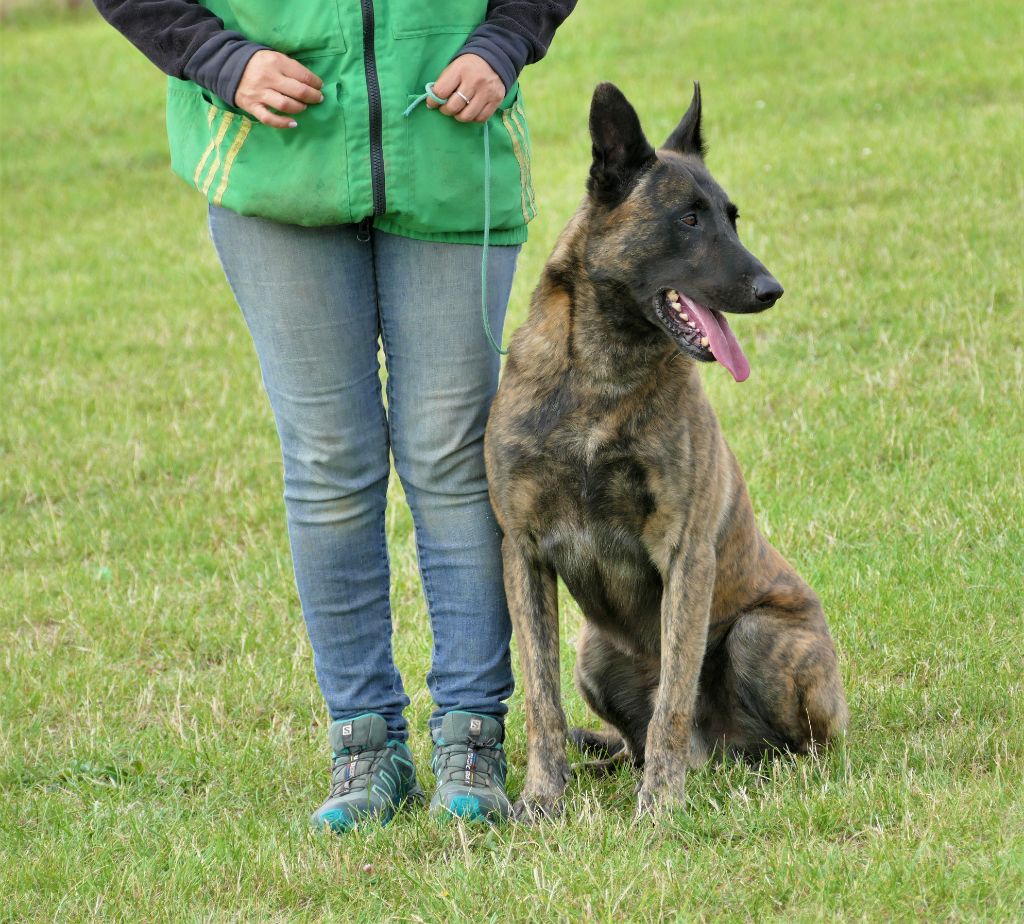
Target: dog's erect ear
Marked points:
621	152
687	139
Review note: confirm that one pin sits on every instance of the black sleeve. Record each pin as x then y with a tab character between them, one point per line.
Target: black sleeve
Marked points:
184	39
516	33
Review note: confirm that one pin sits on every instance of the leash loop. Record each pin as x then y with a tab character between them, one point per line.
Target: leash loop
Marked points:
429	92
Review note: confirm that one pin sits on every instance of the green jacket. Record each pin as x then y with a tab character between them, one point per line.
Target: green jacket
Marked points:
354	155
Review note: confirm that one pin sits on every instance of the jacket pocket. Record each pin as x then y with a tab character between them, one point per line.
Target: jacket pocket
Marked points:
253	169
448	169
206	139
413	18
308	29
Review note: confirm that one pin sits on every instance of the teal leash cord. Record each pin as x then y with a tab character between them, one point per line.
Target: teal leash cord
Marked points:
429	88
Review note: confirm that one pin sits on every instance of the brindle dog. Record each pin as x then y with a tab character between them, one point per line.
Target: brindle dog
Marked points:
607	467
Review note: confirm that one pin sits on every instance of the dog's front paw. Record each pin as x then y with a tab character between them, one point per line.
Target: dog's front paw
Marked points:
542	799
663	790
653	803
531	810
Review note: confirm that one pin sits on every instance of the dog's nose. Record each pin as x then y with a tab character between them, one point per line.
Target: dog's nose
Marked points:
767	290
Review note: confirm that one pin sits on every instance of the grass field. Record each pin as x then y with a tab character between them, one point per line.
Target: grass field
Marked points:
161	735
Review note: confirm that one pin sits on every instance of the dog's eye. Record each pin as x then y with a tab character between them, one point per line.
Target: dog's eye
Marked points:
690	220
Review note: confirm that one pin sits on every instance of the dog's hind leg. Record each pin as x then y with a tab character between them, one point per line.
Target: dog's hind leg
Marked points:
604	750
606	742
782	680
619	688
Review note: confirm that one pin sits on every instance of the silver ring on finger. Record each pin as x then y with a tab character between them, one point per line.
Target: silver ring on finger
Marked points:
465	98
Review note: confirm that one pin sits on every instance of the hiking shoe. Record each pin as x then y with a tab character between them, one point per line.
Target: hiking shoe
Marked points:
469	763
371	777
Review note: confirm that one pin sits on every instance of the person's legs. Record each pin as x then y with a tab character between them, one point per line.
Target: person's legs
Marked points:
309	299
442	375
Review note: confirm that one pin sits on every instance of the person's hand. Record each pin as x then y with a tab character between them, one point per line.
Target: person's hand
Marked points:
468	77
271	81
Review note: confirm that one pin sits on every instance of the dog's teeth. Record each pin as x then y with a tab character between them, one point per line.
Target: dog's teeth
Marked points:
691	324
685	317
673	295
704	342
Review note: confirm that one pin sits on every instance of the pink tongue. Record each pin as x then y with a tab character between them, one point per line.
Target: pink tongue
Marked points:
721	338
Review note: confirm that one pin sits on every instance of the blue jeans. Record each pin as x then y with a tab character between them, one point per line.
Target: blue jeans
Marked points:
316	300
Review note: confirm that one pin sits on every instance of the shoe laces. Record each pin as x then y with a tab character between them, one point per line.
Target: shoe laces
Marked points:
470	763
353	768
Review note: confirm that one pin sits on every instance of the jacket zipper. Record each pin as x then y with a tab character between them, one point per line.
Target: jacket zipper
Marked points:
376	118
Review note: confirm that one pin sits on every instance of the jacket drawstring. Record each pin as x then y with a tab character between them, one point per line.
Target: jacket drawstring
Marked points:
429	88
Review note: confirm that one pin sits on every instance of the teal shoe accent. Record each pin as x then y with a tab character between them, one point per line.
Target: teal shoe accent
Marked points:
337	820
467	807
372	778
469	762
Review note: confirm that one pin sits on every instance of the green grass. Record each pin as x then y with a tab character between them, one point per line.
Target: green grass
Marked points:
161	735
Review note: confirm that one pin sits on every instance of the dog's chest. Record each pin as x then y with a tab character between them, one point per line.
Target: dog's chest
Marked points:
607	491
609	572
586	480
590	527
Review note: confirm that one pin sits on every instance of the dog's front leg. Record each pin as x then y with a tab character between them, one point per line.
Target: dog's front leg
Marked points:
685	611
532	594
